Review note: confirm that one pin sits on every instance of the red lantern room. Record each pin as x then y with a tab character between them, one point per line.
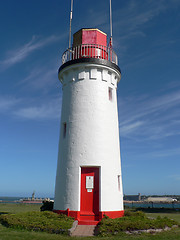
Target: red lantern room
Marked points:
90	36
90	43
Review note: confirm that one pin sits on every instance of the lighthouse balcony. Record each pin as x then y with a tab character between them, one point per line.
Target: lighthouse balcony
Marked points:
90	51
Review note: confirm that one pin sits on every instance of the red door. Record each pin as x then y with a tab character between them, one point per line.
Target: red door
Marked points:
89	193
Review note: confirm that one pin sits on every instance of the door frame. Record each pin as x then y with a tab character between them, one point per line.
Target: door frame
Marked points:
80	171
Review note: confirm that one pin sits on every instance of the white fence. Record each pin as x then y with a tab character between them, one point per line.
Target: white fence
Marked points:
90	51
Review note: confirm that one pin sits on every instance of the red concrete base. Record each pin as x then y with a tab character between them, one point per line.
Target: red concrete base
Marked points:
111	214
90	219
74	214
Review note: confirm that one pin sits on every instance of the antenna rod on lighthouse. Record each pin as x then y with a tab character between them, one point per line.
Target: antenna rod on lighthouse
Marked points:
70	23
111	41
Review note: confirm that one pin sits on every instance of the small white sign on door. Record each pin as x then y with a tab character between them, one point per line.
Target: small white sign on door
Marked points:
89	182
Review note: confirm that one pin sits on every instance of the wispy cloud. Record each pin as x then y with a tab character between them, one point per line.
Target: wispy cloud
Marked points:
42	77
134	16
128	128
175	177
19	54
31	109
48	110
8	102
167	153
133	19
153	105
130	18
156	154
151	117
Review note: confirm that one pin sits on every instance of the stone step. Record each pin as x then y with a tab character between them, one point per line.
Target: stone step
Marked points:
85	231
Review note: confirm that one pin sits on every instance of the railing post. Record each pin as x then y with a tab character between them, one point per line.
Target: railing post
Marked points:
73	53
90	51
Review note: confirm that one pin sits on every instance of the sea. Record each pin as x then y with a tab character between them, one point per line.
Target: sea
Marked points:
133	204
9	199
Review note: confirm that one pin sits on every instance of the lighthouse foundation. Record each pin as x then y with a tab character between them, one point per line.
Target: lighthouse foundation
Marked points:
90	219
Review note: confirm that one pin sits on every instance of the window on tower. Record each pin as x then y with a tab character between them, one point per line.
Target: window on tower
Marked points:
64	129
110	92
119	183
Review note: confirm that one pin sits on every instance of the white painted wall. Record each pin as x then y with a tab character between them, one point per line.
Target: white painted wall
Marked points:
92	137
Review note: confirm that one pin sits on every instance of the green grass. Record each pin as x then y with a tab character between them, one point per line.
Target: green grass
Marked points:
16	208
13	234
10	234
174	216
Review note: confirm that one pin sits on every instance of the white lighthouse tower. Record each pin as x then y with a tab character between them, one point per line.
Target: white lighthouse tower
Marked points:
88	180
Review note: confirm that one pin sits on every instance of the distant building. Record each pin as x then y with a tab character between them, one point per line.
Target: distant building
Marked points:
132	197
160	199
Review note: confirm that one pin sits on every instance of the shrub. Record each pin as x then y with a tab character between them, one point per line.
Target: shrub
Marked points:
47	206
132	221
38	221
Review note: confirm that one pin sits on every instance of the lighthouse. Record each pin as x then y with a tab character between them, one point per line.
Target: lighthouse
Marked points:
88	178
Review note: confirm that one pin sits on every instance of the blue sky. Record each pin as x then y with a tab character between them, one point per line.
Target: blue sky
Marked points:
146	37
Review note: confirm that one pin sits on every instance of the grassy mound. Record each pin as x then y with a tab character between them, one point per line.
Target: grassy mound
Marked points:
38	221
132	221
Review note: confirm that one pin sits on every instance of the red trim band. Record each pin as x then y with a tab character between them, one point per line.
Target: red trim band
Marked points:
111	214
90	219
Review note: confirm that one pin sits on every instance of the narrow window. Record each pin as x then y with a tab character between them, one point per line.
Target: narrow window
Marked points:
119	183
64	129
110	93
